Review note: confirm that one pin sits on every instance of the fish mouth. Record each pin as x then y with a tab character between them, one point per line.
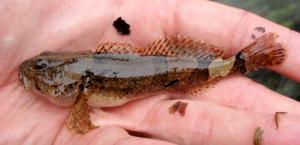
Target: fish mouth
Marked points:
25	82
24	73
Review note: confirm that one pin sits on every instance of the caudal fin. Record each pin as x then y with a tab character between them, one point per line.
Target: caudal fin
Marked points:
264	51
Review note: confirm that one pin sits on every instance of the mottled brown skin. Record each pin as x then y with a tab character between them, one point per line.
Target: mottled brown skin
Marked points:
143	85
48	80
80	84
117	73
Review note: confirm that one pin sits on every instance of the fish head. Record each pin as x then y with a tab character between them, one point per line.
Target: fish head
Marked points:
44	75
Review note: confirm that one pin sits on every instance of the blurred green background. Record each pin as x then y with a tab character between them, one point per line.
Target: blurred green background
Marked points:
284	12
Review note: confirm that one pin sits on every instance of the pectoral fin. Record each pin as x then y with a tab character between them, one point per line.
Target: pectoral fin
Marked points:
79	117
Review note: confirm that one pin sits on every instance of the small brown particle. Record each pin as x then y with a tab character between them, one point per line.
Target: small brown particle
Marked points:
179	107
276	118
253	36
260	29
258	136
174	107
182	109
121	26
139	134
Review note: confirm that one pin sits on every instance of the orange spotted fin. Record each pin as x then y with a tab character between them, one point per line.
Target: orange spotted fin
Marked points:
182	46
119	48
168	46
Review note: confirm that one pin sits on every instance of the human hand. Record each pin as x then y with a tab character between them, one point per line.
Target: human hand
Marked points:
228	113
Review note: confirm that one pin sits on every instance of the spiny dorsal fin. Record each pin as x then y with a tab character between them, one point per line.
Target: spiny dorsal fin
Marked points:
120	48
182	46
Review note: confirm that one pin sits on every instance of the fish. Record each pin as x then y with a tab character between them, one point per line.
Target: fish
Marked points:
117	73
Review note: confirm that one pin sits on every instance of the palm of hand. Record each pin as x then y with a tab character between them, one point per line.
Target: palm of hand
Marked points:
77	26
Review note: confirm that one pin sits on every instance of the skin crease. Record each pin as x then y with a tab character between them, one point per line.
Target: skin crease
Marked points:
226	114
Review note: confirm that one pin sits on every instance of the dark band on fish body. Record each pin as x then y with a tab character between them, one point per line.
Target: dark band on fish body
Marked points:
240	62
202	72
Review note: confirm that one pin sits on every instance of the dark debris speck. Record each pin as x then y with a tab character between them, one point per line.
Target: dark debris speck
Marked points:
121	26
260	29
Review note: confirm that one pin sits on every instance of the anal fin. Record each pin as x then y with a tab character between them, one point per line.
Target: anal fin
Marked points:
198	89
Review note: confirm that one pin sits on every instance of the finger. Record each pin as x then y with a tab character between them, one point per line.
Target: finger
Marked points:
207	123
243	93
230	28
25	118
106	136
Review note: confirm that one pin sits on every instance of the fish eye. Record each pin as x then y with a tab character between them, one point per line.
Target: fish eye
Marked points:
41	64
243	69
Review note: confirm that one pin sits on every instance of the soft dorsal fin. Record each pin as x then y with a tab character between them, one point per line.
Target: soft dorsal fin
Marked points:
119	48
171	46
182	46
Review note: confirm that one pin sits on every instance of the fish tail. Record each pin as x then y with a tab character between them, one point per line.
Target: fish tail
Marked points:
263	52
